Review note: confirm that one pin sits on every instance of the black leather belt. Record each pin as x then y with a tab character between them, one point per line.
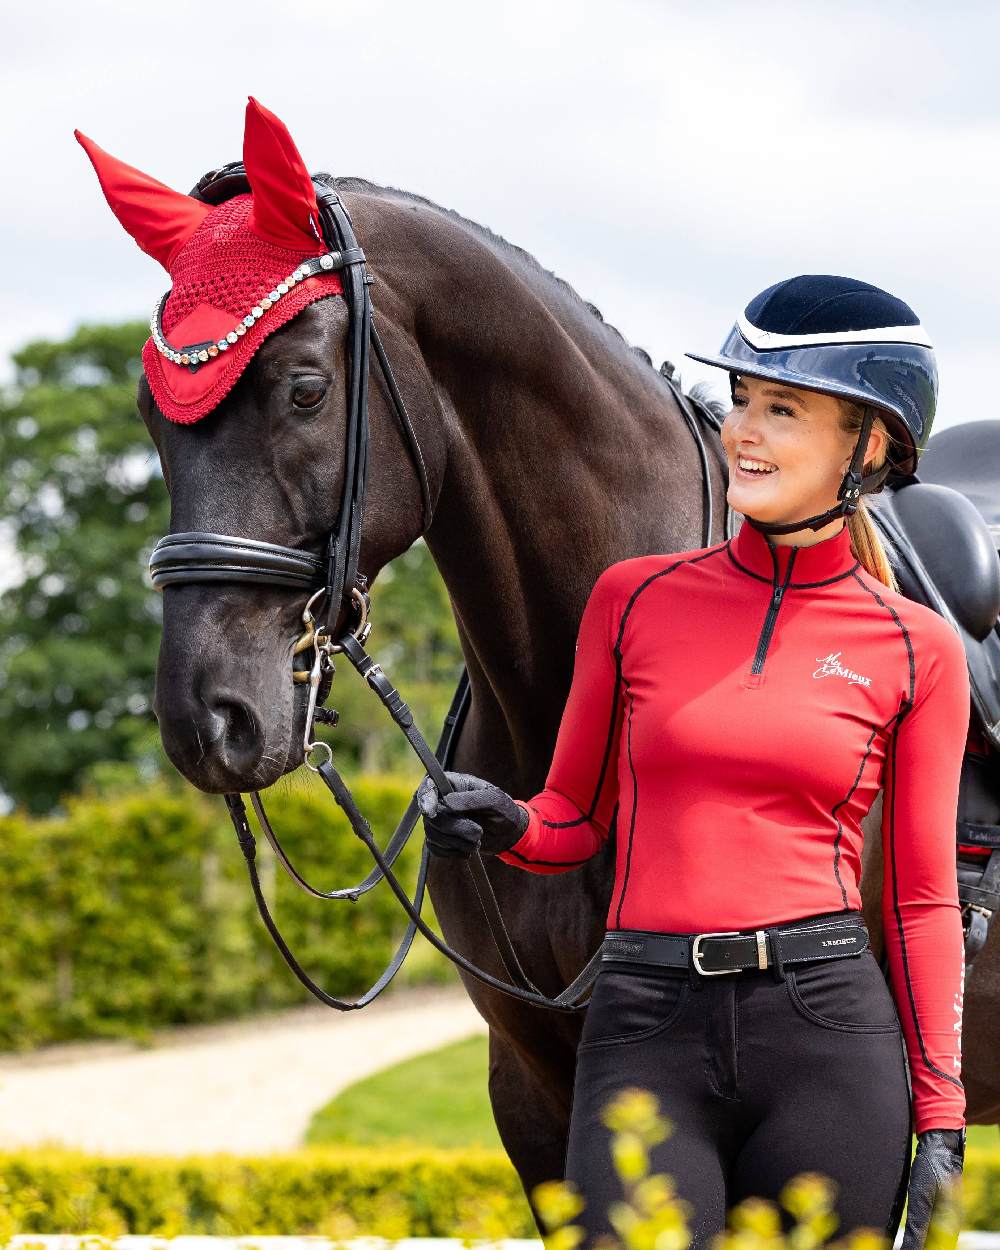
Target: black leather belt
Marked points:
714	954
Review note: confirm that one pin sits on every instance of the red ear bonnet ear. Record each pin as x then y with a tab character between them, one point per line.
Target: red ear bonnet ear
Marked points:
239	270
159	219
284	199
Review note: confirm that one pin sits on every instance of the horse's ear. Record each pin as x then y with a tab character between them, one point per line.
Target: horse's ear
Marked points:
284	198
159	219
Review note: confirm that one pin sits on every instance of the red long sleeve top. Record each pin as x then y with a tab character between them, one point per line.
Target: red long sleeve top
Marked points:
736	710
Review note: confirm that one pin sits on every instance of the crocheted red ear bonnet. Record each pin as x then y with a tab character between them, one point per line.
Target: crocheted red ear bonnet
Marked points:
240	271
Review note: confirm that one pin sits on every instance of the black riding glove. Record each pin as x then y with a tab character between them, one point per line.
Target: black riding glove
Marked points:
936	1173
476	816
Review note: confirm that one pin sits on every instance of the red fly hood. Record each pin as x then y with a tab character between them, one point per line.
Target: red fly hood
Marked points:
239	270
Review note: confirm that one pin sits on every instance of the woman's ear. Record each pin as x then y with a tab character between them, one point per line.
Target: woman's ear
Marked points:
877	442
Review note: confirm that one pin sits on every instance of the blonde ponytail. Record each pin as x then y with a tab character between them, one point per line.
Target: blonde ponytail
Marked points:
868	547
866	542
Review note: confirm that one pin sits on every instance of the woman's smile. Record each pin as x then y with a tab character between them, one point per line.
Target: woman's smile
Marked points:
749	468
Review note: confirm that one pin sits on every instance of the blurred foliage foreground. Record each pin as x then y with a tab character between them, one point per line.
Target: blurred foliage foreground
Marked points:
82	502
133	912
651	1216
396	1192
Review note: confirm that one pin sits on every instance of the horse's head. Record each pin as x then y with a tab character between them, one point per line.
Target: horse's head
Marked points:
253	395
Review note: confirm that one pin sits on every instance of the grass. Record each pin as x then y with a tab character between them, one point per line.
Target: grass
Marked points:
441	1099
437	1099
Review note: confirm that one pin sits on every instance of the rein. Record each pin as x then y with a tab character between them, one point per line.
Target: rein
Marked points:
333	579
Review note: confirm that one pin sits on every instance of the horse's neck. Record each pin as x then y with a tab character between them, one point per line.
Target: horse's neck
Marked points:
566	452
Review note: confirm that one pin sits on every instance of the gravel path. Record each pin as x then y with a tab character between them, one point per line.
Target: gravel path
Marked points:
245	1087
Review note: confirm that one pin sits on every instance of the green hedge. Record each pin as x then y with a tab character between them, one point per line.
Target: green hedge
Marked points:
388	1192
981	1189
133	912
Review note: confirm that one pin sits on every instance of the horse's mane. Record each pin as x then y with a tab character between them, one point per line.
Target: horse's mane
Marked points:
700	394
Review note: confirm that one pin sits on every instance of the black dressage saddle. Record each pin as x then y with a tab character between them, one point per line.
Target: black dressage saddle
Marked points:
944	556
942	534
967	458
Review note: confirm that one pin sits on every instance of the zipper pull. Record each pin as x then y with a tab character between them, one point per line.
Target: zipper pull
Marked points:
778	593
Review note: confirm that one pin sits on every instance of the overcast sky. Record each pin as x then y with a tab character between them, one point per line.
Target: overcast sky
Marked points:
669	160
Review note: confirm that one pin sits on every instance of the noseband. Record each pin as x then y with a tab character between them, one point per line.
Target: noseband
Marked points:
333	579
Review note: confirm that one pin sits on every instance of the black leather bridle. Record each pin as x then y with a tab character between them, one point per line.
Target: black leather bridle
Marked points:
334	579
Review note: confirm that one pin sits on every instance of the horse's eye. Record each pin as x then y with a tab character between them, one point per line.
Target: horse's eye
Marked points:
308	394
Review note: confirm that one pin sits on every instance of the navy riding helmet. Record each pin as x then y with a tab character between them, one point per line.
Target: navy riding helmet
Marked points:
852	340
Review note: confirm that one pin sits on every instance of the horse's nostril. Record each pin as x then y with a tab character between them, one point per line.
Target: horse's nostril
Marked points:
240	736
217	740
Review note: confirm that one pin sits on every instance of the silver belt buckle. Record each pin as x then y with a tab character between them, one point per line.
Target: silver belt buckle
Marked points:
696	953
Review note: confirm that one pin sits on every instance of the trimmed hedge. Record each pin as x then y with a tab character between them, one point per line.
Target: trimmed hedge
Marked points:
981	1189
135	912
389	1192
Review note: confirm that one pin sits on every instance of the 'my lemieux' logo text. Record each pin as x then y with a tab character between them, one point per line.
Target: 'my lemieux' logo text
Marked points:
830	666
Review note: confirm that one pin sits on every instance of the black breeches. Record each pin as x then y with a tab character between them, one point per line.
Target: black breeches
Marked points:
762	1076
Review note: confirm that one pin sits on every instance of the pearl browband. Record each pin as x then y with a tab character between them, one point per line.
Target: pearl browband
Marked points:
193	356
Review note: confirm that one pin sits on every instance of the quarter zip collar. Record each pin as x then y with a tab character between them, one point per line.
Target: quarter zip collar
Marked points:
814	565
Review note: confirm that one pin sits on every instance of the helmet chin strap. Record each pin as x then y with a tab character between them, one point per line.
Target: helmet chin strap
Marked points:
855	484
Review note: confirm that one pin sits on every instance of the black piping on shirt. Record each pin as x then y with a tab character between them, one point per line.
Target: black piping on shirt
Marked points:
876	730
618	652
906	708
828	581
635	804
588	815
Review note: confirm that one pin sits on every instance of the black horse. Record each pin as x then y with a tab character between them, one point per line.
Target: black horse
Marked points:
552	449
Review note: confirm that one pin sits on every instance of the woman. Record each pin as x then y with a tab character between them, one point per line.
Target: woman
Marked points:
734	712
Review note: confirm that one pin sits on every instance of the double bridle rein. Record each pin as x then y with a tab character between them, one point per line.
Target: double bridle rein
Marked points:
332	579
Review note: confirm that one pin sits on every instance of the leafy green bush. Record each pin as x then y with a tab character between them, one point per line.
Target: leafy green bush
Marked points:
135	911
388	1192
336	1192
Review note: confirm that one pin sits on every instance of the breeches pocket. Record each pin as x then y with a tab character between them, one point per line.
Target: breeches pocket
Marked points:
628	1006
848	994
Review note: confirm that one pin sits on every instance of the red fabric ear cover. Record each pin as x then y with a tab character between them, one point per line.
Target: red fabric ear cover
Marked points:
222	260
159	219
284	199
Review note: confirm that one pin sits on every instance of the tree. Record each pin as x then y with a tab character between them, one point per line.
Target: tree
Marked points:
82	501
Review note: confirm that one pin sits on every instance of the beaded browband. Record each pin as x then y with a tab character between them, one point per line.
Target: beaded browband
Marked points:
195	355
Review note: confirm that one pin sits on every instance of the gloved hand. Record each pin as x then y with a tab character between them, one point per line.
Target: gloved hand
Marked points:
935	1175
476	816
